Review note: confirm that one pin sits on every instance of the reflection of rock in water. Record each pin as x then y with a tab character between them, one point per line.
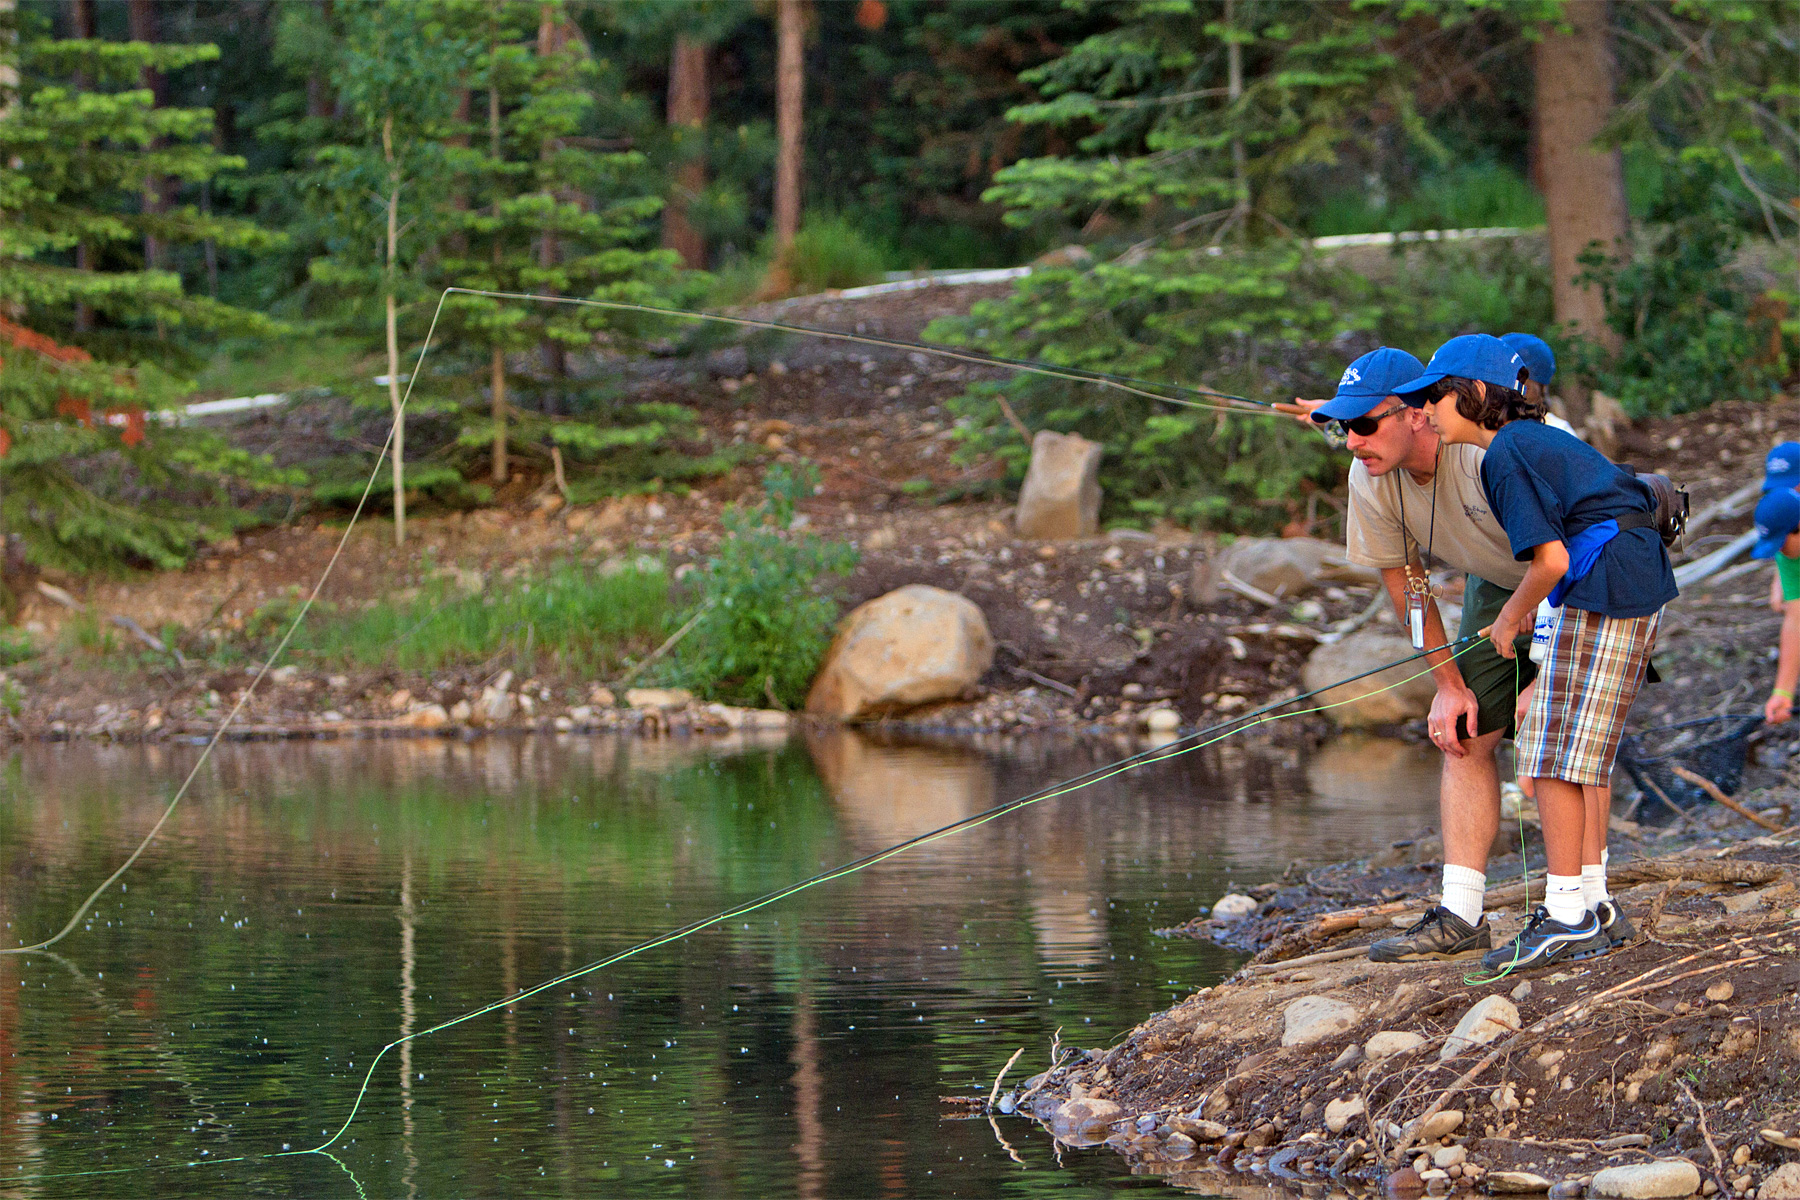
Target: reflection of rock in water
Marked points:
1365	773
889	793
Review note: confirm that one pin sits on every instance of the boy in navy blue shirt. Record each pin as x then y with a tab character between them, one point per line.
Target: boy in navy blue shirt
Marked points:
1588	530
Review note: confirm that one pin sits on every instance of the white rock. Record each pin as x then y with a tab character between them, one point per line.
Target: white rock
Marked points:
427	716
1390	1042
495	706
1232	907
1445	1157
1442	1123
462	710
1783	1183
1643	1181
1060	498
912	646
658	697
1364	702
1516	1182
1487	1019
1429	1174
1312	1018
1162	720
1339	1113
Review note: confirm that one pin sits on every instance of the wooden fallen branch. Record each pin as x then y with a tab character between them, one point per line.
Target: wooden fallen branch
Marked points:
1307	960
995	1094
1712	789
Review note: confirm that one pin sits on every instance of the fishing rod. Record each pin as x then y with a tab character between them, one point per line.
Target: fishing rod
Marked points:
1187	744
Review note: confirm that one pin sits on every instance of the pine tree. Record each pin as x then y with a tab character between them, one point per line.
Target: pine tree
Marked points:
89	475
379	190
553	210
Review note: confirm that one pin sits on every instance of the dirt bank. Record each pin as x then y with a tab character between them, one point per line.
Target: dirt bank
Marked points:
1089	634
1682	1046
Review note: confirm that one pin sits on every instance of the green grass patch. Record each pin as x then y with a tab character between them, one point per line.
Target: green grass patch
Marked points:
251	367
573	619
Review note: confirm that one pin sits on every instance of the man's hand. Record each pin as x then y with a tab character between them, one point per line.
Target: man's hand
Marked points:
1778	709
1300	410
1451	707
1505	630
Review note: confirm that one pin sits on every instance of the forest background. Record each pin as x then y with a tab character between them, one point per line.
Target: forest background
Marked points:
227	196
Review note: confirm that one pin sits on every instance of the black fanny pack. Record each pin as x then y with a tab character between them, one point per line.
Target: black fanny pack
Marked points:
1671	515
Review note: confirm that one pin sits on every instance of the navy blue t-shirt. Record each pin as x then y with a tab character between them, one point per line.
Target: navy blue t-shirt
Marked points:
1547	485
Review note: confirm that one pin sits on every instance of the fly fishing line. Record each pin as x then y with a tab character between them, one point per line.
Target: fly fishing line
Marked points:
1198	740
1123	383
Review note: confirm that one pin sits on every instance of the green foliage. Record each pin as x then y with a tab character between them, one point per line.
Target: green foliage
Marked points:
765	612
831	252
1476	195
17	646
86	492
1688	323
572	618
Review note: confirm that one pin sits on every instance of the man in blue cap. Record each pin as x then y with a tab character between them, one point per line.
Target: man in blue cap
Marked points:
1540	364
1415	504
1778	537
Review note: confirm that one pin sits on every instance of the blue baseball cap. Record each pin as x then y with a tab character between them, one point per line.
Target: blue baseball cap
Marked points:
1777	516
1535	353
1367	382
1782	468
1472	356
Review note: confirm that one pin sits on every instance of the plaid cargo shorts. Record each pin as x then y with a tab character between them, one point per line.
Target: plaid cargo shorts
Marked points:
1584	690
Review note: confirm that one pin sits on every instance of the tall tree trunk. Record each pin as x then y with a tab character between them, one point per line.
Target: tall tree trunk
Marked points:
319	103
1234	90
141	16
790	88
553	35
1583	185
393	336
499	471
459	198
81	24
688	96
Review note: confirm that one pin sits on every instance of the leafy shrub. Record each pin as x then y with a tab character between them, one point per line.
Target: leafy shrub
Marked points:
1691	333
764	616
830	252
16	646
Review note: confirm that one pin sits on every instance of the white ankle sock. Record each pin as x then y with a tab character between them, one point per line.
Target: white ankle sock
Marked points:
1593	885
1464	888
1563	898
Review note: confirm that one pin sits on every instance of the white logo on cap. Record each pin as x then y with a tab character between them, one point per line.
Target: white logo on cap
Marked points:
1777	465
1351	375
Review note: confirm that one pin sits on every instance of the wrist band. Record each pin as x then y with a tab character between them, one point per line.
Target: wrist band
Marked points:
1783	693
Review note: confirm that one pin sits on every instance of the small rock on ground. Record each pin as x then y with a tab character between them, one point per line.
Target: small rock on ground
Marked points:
1782	1184
1487	1019
1313	1018
1646	1181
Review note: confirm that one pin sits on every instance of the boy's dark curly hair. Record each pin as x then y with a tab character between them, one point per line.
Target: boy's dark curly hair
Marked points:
1496	408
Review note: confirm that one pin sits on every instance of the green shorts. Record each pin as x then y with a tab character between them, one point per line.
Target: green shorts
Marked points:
1495	681
1789	570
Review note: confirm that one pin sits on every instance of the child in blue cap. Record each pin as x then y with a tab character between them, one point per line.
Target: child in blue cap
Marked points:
1588	530
1778	537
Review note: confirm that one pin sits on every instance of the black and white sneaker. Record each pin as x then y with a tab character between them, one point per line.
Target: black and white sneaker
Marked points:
1618	927
1545	940
1438	934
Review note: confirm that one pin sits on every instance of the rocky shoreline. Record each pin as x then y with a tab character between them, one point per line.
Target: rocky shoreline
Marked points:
1670	1067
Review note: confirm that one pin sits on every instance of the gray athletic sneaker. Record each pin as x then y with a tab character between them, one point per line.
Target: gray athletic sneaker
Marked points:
1545	940
1615	924
1440	933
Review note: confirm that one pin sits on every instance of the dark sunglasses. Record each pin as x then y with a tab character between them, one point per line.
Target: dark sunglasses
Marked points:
1365	425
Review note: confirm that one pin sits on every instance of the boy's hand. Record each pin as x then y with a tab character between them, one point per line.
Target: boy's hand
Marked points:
1778	709
1504	631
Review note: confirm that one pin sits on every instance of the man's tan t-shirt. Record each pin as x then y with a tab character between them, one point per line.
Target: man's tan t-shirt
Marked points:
1467	537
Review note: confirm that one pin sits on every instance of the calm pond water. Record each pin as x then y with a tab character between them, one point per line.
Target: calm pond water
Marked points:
311	902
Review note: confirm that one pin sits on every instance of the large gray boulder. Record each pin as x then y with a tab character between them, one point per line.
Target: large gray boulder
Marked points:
1365	702
912	646
1646	1181
1061	495
1283	567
